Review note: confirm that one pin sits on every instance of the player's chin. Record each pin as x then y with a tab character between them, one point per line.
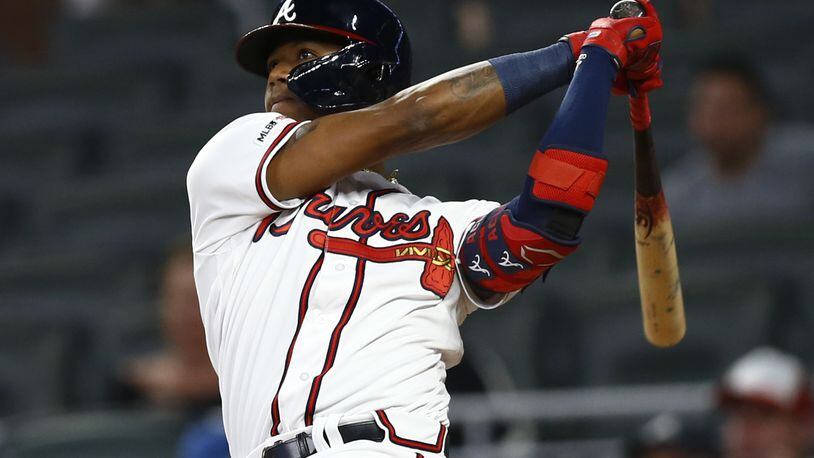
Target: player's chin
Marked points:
291	108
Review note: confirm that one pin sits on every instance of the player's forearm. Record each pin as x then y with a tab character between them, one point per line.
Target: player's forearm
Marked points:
465	101
450	107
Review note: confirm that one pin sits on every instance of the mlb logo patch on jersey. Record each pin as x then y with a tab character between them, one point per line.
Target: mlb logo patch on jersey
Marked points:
262	137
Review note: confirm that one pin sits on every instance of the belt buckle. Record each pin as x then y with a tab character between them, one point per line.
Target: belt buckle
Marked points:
299	446
304	447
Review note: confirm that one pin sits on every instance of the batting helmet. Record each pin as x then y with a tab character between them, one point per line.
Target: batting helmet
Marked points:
374	66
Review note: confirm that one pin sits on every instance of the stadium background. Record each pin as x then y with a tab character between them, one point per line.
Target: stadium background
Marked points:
104	106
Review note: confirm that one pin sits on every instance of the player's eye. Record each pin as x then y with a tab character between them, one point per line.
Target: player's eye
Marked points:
271	65
306	54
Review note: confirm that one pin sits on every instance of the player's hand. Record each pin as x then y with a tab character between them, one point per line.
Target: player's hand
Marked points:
575	41
634	42
635	83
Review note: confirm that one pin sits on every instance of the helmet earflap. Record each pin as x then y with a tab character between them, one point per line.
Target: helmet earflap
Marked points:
354	77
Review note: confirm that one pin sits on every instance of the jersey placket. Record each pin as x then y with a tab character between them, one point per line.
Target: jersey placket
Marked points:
347	302
332	290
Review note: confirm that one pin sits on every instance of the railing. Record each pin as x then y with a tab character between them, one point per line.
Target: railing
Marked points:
477	416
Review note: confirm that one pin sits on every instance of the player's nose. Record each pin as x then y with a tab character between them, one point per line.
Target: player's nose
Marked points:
279	74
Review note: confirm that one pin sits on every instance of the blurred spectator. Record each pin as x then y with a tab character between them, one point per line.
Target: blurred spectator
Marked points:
25	30
744	170
181	373
205	438
671	436
767	400
181	376
694	14
474	24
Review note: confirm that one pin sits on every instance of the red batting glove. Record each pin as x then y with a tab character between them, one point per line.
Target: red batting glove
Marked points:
634	42
575	41
645	59
634	83
629	81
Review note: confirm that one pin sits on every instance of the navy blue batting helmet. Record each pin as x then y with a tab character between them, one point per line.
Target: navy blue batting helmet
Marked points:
375	65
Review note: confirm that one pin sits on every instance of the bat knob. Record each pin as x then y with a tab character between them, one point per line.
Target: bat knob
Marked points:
627	8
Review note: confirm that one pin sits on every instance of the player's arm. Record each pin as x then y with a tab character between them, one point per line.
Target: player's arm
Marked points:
521	241
443	110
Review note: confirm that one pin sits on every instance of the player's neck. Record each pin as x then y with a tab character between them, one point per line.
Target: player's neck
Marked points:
737	163
381	169
378	168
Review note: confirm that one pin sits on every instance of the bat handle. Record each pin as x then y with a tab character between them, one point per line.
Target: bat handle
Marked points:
640	115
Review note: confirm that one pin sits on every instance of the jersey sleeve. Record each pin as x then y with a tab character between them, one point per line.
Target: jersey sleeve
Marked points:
226	183
462	216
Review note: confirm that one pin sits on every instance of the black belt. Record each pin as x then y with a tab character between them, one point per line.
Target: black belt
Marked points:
302	445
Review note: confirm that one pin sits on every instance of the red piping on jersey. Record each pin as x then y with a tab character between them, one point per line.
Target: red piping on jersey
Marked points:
437	447
261	229
278	231
275	231
333	346
306	293
260	176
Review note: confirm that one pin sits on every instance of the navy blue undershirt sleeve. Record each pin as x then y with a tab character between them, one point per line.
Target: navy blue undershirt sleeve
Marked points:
529	75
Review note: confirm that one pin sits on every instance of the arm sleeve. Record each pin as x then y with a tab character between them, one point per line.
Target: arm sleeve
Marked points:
227	187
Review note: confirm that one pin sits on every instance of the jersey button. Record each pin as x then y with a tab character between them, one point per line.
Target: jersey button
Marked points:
340	267
304	376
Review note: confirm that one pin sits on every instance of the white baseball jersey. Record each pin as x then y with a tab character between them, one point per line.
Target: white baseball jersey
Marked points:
344	303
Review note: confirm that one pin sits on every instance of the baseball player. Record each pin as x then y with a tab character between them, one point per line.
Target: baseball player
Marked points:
331	295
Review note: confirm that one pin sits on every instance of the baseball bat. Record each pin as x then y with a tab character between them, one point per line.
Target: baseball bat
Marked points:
656	260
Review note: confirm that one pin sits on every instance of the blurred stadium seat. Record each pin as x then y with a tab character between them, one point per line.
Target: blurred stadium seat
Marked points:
38	358
726	318
120	434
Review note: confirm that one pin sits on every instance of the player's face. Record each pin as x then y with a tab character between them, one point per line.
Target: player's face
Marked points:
280	63
757	432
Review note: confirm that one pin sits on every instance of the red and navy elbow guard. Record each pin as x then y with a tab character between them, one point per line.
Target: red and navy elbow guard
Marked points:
517	243
501	254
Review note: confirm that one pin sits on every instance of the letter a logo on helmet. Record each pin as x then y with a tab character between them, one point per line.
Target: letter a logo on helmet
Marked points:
375	64
286	13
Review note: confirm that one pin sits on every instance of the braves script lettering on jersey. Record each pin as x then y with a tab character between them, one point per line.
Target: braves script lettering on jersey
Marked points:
343	305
